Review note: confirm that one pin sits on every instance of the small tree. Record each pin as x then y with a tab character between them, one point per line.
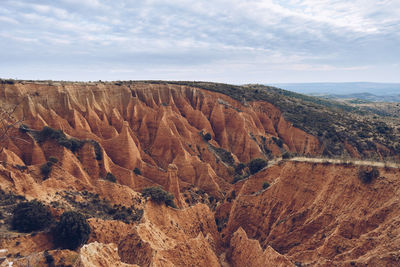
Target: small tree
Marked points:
255	165
159	195
207	137
239	168
72	230
110	177
367	175
137	171
286	155
265	185
31	216
45	169
53	159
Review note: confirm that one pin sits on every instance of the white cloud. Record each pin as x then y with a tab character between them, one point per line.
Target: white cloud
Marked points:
250	35
88	3
8	20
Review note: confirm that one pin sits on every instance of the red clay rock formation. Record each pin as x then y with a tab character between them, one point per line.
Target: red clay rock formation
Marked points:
321	214
101	255
152	125
247	252
312	213
173	185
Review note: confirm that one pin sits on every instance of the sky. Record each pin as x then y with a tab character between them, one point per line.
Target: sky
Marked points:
232	41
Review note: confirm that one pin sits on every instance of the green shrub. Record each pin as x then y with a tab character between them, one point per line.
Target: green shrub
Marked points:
31	216
265	185
53	159
157	194
367	175
137	171
47	132
45	169
286	155
238	178
239	168
207	137
97	149
255	165
76	144
110	177
49	258
23	128
71	231
278	141
225	156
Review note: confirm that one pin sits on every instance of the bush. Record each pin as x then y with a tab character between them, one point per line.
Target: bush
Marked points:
45	169
225	156
367	175
23	128
137	171
53	159
71	231
278	141
255	165
31	216
265	185
72	144
75	144
239	168
207	137
286	155
97	149
110	177
238	178
49	258
159	195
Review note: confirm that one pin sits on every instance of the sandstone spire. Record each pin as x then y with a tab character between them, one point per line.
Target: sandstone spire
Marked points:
173	185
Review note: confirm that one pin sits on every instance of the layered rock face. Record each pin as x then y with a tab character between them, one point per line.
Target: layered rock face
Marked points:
321	214
188	141
149	126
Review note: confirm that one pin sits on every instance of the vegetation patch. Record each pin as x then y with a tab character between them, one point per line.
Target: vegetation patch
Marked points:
110	177
137	171
265	185
59	136
45	169
157	194
239	168
257	164
72	230
238	177
8	201
31	216
367	175
91	206
73	144
207	137
53	159
97	149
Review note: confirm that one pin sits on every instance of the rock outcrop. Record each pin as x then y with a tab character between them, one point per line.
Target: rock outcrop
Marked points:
246	252
101	255
149	126
173	185
321	214
119	138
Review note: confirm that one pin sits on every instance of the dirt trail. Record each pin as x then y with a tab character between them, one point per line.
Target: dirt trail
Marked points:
351	161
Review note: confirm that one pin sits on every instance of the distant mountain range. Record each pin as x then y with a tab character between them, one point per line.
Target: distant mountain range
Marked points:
368	97
375	92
